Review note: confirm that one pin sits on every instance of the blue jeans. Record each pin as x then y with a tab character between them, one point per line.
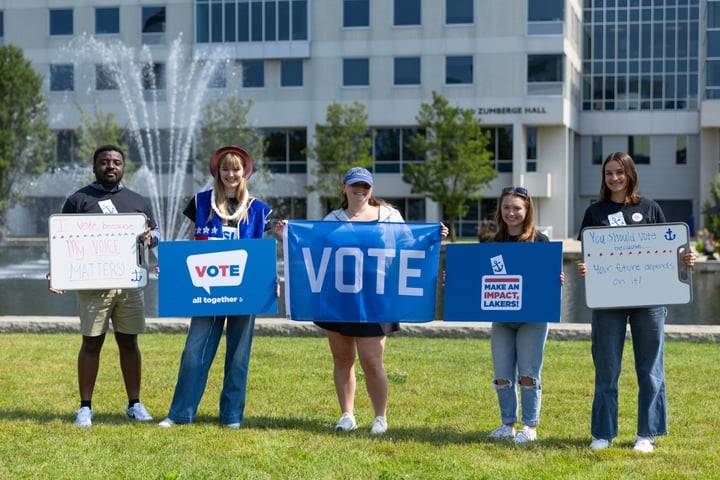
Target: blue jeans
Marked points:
517	350
647	326
200	347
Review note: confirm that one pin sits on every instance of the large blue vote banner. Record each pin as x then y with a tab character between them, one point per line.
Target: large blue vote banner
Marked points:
503	282
361	272
225	277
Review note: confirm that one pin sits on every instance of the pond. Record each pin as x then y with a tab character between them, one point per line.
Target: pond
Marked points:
23	291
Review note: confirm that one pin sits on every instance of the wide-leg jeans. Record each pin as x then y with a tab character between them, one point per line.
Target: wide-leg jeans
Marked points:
200	348
647	326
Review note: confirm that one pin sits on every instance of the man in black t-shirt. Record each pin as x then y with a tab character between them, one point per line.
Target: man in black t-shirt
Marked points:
97	307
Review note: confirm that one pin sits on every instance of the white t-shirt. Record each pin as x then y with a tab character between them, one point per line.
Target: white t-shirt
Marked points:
385	214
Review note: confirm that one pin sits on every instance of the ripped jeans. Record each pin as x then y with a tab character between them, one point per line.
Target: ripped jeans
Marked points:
517	351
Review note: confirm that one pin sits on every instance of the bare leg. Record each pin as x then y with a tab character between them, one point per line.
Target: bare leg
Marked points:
88	365
343	352
370	350
130	363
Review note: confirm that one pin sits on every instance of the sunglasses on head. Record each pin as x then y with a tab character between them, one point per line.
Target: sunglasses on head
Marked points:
518	190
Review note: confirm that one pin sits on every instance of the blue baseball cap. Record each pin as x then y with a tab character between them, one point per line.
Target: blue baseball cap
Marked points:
358	174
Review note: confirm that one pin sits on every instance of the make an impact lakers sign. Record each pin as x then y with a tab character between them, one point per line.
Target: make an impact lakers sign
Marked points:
636	266
228	277
503	282
361	272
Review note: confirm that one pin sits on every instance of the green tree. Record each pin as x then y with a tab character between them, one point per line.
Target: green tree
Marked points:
457	162
225	122
711	208
27	147
342	143
96	130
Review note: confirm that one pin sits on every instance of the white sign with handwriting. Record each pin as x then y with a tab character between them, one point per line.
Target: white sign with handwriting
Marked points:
96	252
636	266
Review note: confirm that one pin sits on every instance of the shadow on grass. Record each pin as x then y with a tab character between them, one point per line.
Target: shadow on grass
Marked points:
433	436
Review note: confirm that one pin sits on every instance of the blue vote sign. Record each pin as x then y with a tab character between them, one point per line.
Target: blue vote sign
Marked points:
227	277
361	271
503	282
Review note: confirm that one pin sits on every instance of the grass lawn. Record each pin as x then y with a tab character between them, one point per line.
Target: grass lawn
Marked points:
442	406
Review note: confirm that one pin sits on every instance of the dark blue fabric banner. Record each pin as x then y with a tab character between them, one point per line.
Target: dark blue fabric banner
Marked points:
503	282
361	272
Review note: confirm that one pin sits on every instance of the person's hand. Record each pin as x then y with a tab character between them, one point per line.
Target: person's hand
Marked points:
689	258
443	230
146	237
280	227
562	278
582	269
56	291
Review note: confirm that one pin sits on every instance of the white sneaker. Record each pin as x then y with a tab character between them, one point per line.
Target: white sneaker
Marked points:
346	423
525	435
599	444
379	426
644	444
503	431
83	417
138	413
234	426
167	423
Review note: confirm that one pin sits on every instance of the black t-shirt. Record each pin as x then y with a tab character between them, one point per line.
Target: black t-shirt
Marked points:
645	212
124	200
191	211
539	237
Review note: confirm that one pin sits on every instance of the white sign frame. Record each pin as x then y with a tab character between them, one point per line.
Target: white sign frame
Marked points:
97	252
636	266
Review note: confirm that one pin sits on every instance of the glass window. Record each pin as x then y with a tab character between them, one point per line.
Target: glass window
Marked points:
107	20
458	11
531	141
284	20
411	209
202	25
639	148
356	72
407	71
61	21
458	70
230	23
713	14
243	31
285	150
65	146
219	76
681	150
545	68
545	10
2	24
105	77
253	73
62	78
153	20
407	12
291	73
153	76
597	150
387	147
257	23
356	13
270	31
713	43
299	20
408	155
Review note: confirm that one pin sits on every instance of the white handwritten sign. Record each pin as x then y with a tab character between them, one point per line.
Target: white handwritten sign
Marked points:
636	266
96	252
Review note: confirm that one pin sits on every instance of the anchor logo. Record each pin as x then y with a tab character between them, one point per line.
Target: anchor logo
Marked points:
498	266
137	275
669	235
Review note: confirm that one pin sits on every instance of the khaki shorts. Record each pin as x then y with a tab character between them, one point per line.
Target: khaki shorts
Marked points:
124	307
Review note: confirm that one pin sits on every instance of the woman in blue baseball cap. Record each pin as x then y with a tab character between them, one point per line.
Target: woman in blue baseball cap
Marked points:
359	204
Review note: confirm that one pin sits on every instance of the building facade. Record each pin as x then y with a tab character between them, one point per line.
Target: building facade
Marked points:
559	84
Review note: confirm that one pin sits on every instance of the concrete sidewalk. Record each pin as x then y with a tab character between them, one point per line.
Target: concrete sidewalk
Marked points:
289	328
